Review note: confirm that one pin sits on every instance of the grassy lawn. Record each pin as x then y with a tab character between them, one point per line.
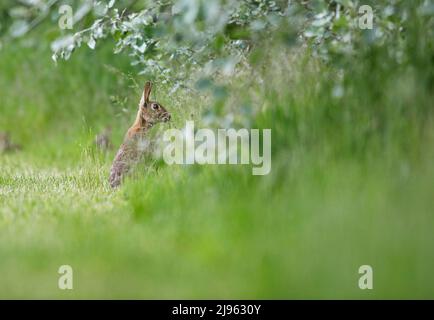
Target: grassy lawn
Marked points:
351	184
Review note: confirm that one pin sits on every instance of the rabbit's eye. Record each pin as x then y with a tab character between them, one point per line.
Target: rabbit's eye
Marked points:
154	106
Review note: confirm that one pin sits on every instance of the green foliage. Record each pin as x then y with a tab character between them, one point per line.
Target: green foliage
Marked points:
188	43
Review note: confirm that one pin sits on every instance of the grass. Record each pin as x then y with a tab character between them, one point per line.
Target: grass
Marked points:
351	184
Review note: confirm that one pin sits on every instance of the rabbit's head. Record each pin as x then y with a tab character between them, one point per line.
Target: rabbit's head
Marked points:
151	112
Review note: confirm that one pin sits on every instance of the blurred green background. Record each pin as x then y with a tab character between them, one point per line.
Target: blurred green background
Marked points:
352	180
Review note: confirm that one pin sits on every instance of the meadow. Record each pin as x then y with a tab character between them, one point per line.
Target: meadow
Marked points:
351	183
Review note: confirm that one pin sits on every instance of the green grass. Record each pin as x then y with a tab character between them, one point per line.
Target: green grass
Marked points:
351	184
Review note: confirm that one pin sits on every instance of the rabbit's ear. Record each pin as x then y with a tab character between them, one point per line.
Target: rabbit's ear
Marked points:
147	92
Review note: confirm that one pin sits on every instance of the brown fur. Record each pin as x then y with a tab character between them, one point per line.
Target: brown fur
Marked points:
149	113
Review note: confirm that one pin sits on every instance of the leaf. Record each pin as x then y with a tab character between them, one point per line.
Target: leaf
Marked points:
142	48
19	28
91	43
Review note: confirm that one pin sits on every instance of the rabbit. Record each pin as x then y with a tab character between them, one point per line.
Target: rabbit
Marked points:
130	151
